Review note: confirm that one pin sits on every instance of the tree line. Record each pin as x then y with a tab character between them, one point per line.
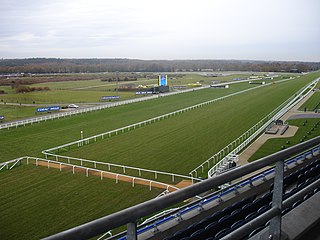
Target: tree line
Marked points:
59	65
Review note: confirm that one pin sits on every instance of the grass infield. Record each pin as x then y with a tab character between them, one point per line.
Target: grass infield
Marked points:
308	129
36	202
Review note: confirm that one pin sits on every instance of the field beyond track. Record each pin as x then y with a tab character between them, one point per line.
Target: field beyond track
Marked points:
181	143
36	202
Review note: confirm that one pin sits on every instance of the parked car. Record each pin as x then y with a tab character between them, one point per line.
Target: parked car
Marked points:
73	106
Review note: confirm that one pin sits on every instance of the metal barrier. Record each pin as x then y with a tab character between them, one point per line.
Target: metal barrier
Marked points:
130	215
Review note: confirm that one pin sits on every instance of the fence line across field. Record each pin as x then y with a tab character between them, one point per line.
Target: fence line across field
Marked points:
221	158
245	138
89	109
293	101
115	104
123	168
81	142
87	170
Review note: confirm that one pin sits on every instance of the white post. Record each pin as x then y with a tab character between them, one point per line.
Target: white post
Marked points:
81	137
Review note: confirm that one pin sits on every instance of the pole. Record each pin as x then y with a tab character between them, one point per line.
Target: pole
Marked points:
275	222
117	79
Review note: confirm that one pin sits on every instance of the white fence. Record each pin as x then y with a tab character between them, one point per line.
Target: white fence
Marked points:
89	109
81	142
94	171
285	107
100	107
115	132
10	164
122	168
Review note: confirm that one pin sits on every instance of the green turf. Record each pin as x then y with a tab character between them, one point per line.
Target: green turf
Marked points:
312	103
48	134
16	112
62	96
36	202
304	132
181	143
91	91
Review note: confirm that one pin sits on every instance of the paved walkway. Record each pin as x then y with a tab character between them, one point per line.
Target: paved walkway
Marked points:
291	131
249	151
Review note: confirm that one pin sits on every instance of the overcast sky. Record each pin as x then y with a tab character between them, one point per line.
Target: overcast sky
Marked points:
162	29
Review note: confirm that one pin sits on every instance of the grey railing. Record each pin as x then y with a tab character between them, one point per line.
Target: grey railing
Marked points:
130	215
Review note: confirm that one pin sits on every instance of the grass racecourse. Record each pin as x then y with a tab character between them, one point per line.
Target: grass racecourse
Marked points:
181	143
89	92
53	133
313	103
36	201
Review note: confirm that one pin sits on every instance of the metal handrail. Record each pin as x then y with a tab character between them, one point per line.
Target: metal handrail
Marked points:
130	215
263	218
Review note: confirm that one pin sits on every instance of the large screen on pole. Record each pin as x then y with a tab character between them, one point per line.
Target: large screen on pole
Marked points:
163	80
